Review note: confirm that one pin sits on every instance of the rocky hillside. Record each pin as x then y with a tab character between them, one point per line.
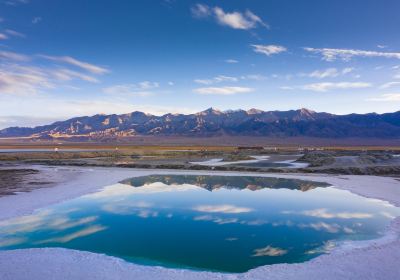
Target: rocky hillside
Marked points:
213	122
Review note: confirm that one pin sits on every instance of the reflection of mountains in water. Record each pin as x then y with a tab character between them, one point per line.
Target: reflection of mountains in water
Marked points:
210	182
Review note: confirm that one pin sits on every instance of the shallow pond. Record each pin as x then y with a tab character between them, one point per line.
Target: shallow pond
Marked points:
215	223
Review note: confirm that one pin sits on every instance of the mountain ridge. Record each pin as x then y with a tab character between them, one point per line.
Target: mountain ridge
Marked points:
213	122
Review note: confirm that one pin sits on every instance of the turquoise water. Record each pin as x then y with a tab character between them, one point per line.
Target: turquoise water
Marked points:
214	223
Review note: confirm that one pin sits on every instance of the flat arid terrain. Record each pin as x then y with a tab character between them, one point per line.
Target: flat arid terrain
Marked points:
36	176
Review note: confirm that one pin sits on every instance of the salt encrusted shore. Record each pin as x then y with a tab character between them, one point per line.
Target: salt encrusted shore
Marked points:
375	259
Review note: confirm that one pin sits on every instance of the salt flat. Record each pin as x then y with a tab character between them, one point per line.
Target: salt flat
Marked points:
375	259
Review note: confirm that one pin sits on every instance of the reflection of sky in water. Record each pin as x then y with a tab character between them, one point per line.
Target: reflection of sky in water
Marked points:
205	222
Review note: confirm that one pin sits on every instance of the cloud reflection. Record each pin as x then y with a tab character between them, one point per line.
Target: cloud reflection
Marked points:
80	233
269	251
225	208
325	214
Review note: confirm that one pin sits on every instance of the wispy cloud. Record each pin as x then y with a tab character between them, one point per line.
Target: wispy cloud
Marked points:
75	62
268	49
3	36
36	20
329	73
16	2
200	10
225	208
68	75
140	89
323	87
237	20
13	56
255	77
347	54
223	90
388	97
232	61
14	33
26	121
389	85
17	80
21	75
217	79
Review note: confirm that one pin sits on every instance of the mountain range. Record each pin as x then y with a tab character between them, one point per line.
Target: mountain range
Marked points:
212	122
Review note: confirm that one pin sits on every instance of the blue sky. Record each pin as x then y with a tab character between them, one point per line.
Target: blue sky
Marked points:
61	59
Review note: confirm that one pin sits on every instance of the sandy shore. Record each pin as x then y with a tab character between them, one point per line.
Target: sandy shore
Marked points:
376	259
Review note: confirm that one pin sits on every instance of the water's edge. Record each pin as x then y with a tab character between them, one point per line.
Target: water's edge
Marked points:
389	190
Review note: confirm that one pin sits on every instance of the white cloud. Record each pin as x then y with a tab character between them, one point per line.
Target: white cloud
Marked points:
63	108
347	54
13	56
347	70
68	75
17	80
140	89
147	85
232	61
389	85
388	97
80	64
16	2
36	20
328	73
381	46
397	76
29	121
322	87
223	90
236	20
269	251
268	49
3	36
200	11
14	33
287	88
217	79
225	208
255	77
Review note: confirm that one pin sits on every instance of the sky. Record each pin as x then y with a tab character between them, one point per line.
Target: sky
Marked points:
61	59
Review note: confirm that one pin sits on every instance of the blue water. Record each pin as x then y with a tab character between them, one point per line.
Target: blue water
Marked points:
213	223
